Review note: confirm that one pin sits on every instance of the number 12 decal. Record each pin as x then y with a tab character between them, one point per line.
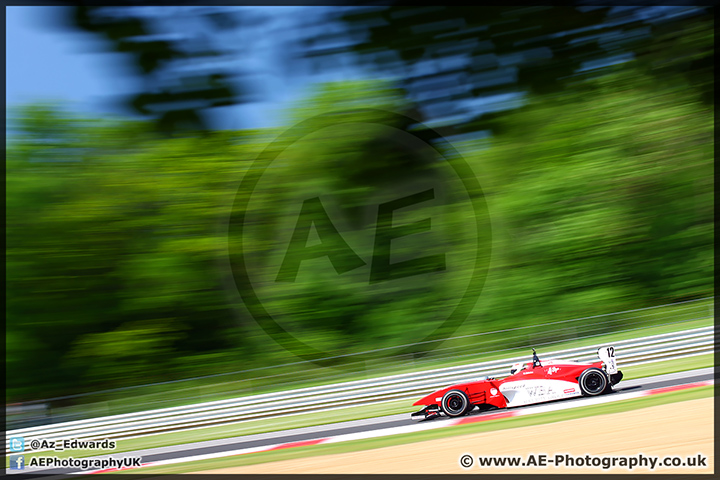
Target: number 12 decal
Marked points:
607	355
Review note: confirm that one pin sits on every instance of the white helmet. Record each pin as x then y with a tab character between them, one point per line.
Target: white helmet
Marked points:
516	368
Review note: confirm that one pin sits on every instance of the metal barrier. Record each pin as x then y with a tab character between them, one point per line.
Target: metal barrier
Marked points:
289	376
631	352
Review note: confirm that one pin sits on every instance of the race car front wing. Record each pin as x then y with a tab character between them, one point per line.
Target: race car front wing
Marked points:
427	413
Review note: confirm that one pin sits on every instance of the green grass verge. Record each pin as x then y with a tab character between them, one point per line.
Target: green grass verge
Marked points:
502	424
249	427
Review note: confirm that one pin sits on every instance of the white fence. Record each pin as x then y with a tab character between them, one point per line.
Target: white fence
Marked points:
637	351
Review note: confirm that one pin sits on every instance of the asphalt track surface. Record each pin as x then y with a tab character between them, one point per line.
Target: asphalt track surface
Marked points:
334	429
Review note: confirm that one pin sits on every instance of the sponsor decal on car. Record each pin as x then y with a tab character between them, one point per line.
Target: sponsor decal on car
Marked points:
536	390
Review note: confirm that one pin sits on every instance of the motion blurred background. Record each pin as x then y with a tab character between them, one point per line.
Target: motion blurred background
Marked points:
129	130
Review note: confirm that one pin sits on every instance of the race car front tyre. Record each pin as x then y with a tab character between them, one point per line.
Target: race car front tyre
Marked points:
593	381
455	403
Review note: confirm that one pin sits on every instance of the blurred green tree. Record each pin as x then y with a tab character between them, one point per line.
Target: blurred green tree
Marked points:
603	196
175	97
104	234
447	57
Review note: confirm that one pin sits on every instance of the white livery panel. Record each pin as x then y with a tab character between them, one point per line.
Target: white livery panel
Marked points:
525	392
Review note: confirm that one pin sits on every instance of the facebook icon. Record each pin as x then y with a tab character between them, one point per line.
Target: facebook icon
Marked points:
17	462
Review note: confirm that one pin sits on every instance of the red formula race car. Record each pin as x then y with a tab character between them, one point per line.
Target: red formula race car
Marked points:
534	382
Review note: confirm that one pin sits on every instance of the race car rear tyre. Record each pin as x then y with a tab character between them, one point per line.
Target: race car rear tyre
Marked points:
593	381
455	403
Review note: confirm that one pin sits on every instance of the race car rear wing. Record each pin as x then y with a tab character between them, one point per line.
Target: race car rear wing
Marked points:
607	355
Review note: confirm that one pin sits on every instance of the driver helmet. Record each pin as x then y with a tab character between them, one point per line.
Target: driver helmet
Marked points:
516	368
